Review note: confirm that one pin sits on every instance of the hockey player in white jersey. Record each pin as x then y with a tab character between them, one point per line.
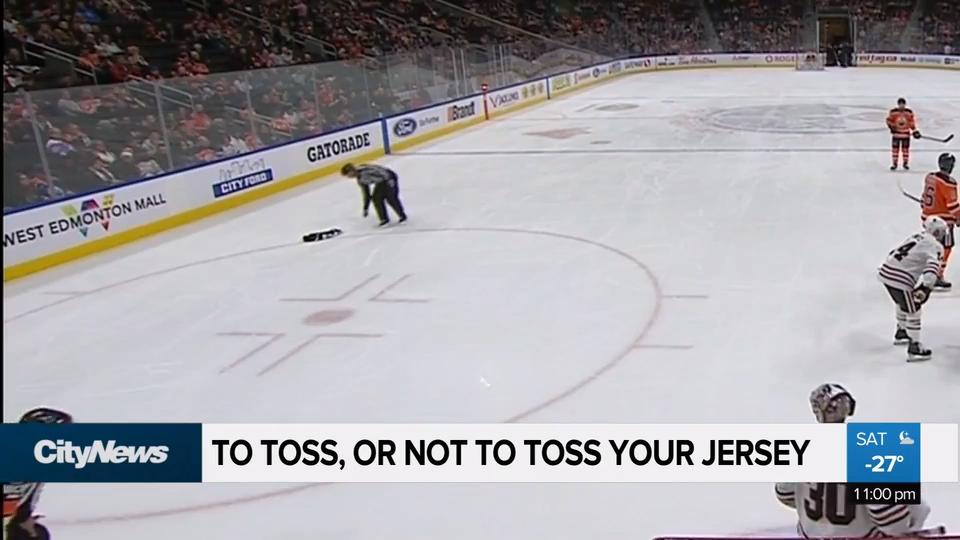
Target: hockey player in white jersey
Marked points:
910	273
828	510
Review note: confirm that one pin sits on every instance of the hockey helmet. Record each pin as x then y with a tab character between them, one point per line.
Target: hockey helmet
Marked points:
946	162
832	403
45	415
937	227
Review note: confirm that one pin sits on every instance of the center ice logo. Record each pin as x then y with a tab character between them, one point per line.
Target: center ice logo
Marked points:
803	118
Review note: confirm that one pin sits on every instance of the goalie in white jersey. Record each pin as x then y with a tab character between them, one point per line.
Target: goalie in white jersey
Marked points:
828	510
910	273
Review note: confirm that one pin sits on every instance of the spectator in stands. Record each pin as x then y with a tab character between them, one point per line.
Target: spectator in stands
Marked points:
115	133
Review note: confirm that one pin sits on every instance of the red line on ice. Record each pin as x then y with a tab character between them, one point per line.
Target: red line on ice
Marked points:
339	298
306	344
274	336
379	296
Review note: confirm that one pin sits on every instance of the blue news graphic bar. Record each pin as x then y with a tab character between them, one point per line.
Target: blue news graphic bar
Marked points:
100	453
886	453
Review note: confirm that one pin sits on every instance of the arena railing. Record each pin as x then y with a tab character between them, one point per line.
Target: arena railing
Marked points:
140	128
66	142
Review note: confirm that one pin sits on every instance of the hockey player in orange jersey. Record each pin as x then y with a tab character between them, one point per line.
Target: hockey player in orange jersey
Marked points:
940	199
902	125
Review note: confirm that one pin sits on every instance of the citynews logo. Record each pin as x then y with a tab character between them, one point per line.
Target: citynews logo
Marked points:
48	452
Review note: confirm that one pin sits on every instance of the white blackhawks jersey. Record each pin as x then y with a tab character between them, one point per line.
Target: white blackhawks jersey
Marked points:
828	511
915	261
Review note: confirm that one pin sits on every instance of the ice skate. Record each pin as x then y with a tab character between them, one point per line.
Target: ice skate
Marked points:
916	352
901	337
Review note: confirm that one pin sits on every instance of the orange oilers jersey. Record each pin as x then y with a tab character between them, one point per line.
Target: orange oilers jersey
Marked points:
940	197
901	122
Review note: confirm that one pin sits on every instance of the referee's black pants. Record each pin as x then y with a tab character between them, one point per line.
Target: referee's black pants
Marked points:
387	193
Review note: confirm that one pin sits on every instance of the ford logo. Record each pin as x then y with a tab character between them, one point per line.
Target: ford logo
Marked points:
406	126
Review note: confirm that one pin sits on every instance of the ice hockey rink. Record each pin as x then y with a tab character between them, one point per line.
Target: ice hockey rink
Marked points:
669	247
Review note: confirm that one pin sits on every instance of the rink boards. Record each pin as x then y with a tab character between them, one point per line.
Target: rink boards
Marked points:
44	236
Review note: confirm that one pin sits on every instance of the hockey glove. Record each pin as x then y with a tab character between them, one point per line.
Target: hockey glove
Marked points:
921	294
917	135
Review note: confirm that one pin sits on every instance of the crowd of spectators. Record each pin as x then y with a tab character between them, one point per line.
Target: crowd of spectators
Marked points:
99	136
749	25
941	27
880	24
96	34
113	41
235	75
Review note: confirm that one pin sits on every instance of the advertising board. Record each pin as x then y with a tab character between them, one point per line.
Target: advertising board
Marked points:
96	217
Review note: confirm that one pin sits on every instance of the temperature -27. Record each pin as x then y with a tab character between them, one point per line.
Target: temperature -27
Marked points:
883	463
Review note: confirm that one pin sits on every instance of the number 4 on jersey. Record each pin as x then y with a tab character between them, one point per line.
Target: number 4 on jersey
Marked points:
901	252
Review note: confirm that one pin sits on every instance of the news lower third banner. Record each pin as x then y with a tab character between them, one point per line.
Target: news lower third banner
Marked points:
871	453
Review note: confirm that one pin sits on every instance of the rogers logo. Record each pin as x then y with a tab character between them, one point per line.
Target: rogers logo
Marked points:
777	58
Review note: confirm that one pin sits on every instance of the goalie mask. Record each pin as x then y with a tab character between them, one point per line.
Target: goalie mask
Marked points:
832	404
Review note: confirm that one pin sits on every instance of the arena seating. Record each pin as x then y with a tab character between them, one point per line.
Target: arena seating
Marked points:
235	75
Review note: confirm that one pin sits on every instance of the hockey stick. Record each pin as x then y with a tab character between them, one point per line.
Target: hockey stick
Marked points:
907	194
317	236
940	530
948	139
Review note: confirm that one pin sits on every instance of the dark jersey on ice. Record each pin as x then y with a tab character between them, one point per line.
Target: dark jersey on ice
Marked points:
369	176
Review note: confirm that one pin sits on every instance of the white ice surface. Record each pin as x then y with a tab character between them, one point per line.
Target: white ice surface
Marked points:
683	210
